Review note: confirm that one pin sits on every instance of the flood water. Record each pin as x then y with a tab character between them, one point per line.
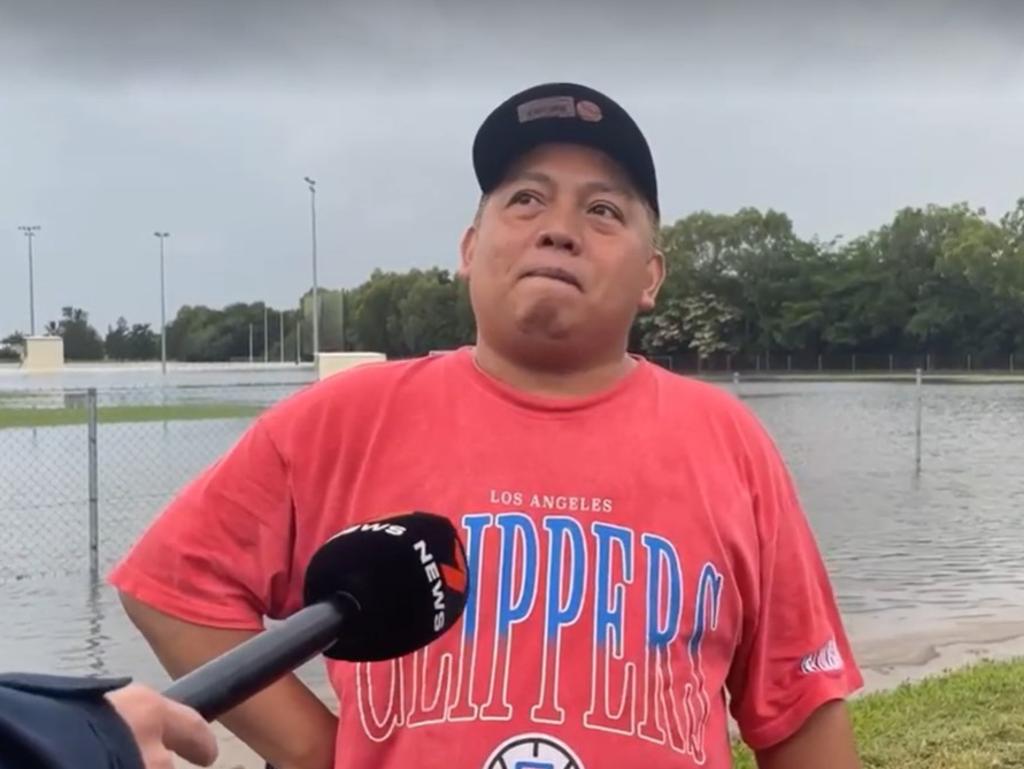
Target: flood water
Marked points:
905	550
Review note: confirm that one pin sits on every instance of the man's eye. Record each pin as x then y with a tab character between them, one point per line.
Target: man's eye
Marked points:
523	197
605	210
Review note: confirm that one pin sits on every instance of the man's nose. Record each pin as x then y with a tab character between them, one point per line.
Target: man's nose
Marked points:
562	241
559	235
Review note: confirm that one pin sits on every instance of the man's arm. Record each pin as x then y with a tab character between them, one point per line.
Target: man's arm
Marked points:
286	723
794	666
825	741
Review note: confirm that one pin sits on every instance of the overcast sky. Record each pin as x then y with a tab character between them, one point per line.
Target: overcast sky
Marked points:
200	117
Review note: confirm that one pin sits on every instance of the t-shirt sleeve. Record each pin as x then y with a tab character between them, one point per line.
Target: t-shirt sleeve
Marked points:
794	655
220	553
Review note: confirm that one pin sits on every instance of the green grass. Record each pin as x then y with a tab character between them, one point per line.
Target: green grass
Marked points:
52	417
972	718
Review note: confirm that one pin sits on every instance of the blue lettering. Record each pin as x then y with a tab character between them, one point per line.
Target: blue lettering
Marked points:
661	552
474	525
711	580
559	530
510	611
608	610
697	701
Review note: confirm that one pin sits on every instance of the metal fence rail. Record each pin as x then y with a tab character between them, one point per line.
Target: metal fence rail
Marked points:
842	363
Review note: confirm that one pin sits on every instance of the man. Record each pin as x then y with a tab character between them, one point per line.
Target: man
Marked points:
52	722
637	549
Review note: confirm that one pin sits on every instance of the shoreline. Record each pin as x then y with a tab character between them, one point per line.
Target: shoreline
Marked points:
886	663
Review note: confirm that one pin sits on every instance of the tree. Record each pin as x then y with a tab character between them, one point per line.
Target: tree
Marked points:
81	341
142	343
12	347
116	341
942	279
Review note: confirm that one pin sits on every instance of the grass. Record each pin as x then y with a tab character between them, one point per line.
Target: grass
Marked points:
968	719
53	417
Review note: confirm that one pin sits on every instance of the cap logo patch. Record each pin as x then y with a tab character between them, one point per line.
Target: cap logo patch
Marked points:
549	106
589	111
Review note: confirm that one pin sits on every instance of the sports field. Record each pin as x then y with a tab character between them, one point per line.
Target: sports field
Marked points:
52	417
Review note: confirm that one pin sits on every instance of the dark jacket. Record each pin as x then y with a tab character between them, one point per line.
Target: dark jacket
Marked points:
55	722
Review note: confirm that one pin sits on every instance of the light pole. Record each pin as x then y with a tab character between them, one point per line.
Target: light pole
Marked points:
30	232
316	302
163	309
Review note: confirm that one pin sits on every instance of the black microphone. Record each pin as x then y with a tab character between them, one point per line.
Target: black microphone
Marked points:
374	591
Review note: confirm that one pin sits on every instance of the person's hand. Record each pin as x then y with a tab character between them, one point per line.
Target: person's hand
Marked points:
163	728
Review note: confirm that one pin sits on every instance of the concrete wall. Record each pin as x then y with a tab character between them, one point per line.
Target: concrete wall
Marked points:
328	363
43	353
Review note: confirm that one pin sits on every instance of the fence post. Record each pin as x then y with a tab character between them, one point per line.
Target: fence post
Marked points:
917	426
819	363
1011	362
736	382
968	361
890	363
94	539
789	362
853	362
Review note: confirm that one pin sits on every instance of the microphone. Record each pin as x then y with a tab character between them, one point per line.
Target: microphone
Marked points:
374	591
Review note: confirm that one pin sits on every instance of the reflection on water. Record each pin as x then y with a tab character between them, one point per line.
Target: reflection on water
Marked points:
903	548
908	551
70	625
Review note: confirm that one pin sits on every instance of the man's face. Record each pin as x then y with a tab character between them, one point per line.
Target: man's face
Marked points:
562	251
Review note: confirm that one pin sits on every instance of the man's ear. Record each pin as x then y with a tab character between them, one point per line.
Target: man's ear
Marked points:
467	249
655	278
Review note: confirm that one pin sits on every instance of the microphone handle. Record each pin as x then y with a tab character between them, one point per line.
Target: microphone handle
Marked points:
228	680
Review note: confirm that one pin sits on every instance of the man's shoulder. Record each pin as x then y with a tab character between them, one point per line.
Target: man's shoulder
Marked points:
687	392
712	406
363	383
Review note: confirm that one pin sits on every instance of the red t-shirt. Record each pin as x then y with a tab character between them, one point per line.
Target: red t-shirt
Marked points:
635	556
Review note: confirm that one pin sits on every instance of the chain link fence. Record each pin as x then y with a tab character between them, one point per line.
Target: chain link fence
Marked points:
83	472
842	363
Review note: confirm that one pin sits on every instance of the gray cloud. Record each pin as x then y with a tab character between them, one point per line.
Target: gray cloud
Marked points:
202	116
319	41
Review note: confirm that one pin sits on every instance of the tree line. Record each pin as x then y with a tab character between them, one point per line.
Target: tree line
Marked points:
941	280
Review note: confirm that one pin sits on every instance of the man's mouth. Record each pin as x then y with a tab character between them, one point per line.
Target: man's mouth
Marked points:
554	273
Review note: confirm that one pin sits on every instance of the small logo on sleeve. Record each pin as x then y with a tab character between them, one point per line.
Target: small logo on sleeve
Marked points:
824	660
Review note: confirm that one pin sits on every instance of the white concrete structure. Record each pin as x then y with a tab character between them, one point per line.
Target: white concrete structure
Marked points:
43	354
328	363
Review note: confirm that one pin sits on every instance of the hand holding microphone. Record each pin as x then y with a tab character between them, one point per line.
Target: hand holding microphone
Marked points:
163	729
374	591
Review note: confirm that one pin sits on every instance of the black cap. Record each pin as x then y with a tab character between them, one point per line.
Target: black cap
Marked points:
562	113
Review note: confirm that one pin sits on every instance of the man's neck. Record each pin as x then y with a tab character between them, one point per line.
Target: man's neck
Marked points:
556	382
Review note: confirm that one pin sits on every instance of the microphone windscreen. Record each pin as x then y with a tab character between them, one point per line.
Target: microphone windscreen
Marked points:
407	574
